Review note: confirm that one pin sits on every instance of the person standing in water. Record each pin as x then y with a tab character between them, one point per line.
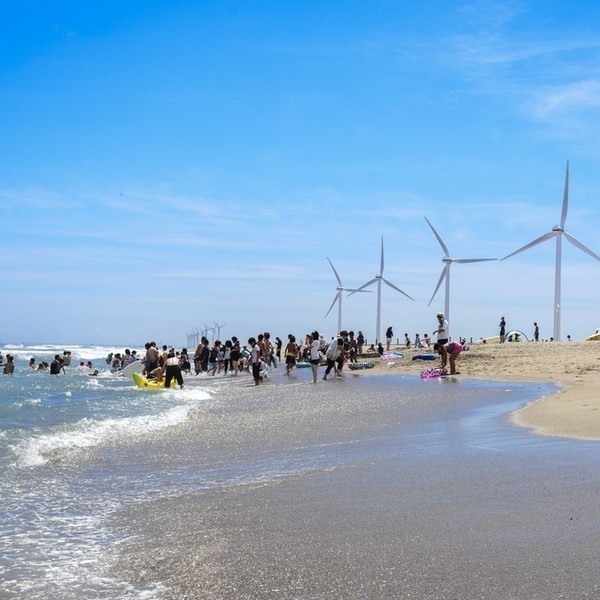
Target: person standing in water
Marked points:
255	360
172	369
9	367
315	358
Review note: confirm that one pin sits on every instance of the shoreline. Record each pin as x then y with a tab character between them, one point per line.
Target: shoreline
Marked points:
572	412
370	487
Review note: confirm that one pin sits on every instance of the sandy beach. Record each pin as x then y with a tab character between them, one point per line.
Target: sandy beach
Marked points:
574	366
369	487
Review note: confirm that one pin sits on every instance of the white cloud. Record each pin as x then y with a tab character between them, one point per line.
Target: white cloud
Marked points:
571	97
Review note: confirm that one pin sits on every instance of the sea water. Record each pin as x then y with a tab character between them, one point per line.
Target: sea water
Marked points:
76	449
54	498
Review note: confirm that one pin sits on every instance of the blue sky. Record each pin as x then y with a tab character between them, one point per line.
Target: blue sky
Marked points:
169	164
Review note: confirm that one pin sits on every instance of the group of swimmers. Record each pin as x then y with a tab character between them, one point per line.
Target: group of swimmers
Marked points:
54	368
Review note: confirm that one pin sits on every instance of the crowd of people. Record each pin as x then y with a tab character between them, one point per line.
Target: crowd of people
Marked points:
257	357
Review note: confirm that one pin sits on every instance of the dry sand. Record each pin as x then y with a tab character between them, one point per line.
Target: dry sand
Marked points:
573	412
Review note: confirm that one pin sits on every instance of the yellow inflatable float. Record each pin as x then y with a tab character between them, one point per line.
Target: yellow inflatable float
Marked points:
151	384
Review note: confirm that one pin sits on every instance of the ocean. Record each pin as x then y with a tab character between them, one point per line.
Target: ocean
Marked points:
56	491
81	455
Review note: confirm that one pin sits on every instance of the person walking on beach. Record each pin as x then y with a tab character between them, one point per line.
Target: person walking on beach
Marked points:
441	334
502	330
255	360
353	347
269	350
536	332
235	354
291	352
315	358
389	335
332	354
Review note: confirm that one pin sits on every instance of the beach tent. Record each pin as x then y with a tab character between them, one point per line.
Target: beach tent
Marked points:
515	336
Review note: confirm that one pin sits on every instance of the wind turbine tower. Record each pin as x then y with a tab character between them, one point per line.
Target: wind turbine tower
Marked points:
446	272
558	231
378	279
218	329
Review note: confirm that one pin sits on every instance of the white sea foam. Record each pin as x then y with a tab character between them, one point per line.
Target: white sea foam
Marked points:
88	433
47	351
73	562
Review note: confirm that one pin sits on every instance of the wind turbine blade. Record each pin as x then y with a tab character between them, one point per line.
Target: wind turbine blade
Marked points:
381	266
543	238
335	273
356	290
396	288
439	239
362	287
439	283
579	245
565	206
337	297
471	260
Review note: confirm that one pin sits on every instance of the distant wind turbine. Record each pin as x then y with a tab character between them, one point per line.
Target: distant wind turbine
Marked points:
378	279
218	329
446	271
207	329
558	232
338	297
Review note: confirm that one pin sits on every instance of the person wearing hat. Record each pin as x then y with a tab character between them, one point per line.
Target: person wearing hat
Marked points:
442	337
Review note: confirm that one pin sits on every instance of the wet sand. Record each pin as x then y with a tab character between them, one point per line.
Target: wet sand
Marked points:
363	488
574	366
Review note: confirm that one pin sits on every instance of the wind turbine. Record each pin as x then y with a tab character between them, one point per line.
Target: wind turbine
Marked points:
338	297
207	329
378	279
446	271
557	232
218	328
